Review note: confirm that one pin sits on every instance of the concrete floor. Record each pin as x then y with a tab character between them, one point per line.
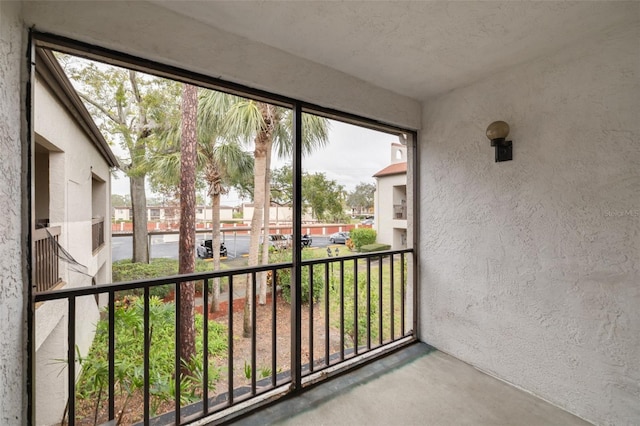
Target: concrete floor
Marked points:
415	386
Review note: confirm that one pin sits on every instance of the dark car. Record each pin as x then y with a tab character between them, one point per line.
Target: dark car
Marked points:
339	237
205	249
305	240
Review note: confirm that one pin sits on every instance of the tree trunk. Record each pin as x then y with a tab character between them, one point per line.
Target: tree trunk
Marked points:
187	257
215	229
262	294
139	210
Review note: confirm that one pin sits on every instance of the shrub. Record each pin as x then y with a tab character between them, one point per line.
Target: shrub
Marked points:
129	332
284	277
125	270
363	236
374	247
364	320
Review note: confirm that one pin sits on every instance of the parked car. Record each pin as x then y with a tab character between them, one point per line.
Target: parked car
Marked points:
205	250
279	241
339	237
368	222
305	240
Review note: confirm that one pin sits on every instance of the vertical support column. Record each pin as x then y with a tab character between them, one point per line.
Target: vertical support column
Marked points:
296	299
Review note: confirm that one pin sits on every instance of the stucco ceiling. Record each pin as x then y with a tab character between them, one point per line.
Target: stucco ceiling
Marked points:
418	49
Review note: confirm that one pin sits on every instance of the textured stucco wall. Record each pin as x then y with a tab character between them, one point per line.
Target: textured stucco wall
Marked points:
151	32
71	172
11	248
385	223
531	268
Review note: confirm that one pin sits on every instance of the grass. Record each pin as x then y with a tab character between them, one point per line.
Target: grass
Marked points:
381	318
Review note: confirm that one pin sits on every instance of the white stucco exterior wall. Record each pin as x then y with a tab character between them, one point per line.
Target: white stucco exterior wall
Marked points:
531	268
12	288
72	170
386	225
151	32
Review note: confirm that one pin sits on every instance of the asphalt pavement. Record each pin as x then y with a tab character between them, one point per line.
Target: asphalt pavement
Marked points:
166	246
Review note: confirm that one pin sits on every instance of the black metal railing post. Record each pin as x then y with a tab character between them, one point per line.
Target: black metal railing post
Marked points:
296	273
147	355
71	360
178	363
205	347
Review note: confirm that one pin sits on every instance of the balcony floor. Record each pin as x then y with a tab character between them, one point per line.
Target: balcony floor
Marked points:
414	386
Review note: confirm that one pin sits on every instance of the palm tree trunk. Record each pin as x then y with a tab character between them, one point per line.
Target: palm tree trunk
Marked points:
262	294
187	258
215	229
262	145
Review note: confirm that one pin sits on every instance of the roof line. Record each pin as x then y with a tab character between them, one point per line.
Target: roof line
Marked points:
53	74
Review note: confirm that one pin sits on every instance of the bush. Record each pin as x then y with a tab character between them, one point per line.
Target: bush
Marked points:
363	236
125	270
129	332
364	320
284	277
374	247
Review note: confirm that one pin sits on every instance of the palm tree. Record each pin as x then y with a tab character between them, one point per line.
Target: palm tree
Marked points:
268	126
221	161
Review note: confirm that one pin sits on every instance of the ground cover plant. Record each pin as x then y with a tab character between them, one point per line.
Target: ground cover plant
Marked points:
92	387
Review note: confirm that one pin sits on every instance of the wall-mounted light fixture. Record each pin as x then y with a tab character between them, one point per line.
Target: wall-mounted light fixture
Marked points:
497	133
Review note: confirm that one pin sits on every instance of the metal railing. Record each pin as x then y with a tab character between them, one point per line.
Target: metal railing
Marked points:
46	269
399	211
356	307
97	233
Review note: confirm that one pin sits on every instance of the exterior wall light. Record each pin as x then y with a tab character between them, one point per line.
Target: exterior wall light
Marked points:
497	133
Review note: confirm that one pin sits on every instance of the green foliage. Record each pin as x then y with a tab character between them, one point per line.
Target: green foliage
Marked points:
324	196
118	200
284	276
368	248
264	371
362	236
125	270
349	307
129	334
361	198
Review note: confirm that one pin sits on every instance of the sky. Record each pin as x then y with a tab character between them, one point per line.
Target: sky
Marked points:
353	155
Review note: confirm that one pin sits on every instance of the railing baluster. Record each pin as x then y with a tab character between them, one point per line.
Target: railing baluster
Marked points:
230	343
112	355
178	366
274	328
391	297
205	346
402	288
355	307
253	334
368	303
326	314
71	360
146	354
380	331
311	318
341	310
